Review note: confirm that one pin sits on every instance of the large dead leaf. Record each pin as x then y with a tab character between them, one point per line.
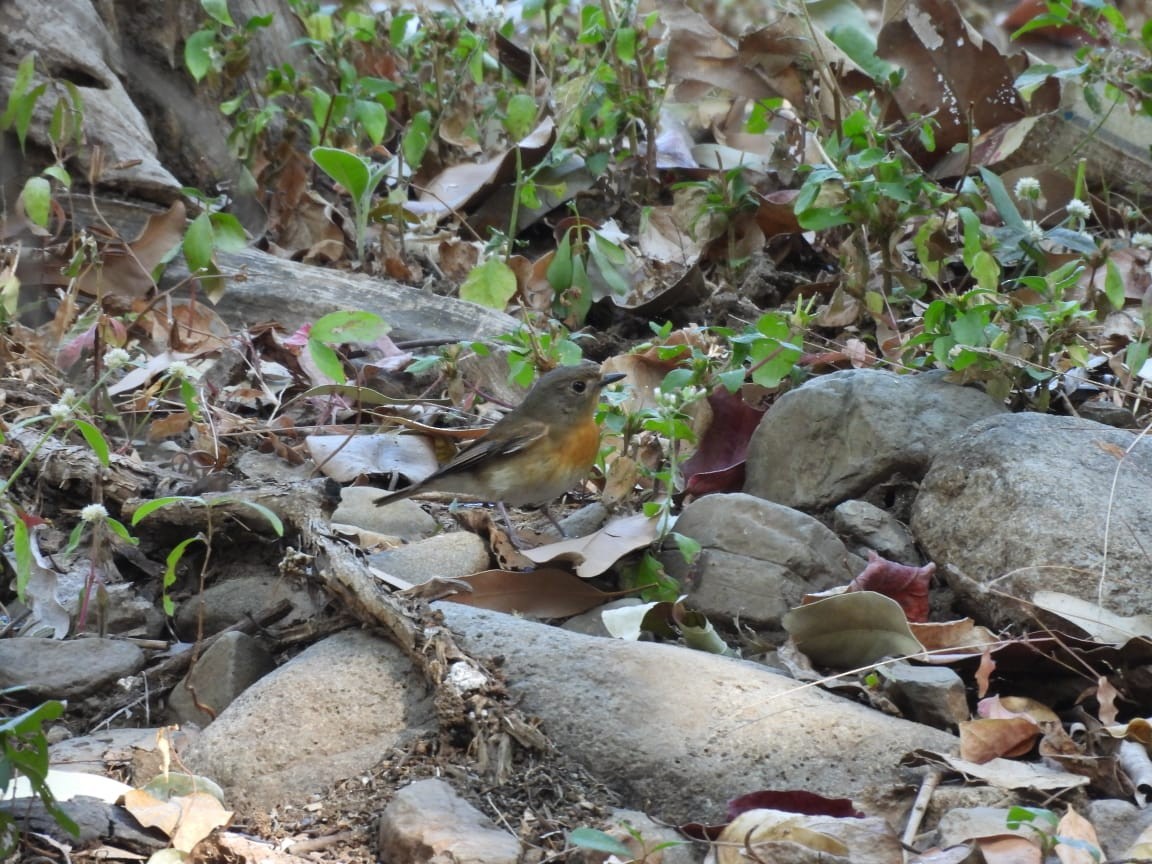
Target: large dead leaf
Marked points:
1096	622
950	73
345	458
186	819
986	739
597	552
546	593
1002	773
851	630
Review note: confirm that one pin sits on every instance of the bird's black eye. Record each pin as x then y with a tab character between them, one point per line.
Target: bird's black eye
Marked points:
579	386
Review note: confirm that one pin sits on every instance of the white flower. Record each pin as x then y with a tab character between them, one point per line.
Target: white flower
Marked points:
178	370
68	397
1078	209
94	513
1142	240
116	358
1028	187
1033	230
60	411
955	351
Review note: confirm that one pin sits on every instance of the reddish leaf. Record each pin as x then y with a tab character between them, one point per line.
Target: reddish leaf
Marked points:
718	464
905	584
793	801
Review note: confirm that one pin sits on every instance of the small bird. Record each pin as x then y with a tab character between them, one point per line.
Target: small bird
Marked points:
533	454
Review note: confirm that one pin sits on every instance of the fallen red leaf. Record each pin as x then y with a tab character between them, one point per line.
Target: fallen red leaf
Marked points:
905	584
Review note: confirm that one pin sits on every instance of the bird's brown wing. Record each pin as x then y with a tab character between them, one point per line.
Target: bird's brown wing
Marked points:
494	446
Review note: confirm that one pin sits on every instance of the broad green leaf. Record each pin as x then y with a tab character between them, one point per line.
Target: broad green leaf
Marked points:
861	50
95	439
218	11
415	142
198	53
372	116
490	284
521	116
198	243
626	44
37	198
347	169
60	174
326	360
349	326
228	235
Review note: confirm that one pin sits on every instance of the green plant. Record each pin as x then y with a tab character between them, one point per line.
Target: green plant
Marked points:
1112	58
871	189
1044	824
600	841
24	752
206	538
211	231
359	176
724	196
63	417
65	131
339	328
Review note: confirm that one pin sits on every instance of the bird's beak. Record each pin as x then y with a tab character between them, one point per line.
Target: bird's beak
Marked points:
612	378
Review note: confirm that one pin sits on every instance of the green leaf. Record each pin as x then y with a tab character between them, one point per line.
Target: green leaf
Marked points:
37	198
626	44
415	142
349	326
327	360
95	439
155	504
197	244
22	545
1003	202
372	116
490	284
218	11
347	169
1113	285
228	235
598	841
172	562
689	546
199	53
521	116
861	50
60	174
268	514
117	528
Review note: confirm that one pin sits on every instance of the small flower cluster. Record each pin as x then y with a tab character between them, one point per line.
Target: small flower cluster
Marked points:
1027	189
94	513
678	398
64	409
179	370
116	358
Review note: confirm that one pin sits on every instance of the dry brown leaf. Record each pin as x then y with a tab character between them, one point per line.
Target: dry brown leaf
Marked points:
1073	826
545	593
597	552
984	740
